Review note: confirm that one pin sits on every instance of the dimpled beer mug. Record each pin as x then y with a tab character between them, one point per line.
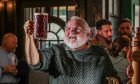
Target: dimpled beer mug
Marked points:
40	25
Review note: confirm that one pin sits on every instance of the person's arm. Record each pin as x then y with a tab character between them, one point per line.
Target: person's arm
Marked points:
11	69
32	55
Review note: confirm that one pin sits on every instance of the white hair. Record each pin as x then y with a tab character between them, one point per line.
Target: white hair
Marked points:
82	22
79	40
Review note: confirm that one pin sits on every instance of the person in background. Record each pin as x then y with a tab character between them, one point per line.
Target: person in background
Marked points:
9	70
125	28
118	55
93	32
75	61
104	34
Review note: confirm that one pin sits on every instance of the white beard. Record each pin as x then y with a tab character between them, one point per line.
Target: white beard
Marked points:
77	43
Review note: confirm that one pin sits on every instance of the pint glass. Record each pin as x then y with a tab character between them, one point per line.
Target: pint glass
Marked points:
40	25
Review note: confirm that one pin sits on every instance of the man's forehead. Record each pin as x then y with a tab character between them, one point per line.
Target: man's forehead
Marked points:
72	22
106	27
125	25
11	38
75	23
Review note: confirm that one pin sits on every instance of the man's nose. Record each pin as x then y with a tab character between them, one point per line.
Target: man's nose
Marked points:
125	30
73	31
110	33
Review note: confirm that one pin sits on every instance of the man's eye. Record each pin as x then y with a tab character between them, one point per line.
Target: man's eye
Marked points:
105	31
78	30
67	28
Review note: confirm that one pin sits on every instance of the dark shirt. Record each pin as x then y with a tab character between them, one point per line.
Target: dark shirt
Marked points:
89	66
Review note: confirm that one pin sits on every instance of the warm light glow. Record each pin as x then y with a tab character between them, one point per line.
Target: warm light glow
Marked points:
5	0
9	6
0	5
71	8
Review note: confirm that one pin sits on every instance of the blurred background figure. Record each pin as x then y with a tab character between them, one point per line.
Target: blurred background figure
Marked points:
9	70
125	28
93	32
118	56
8	60
104	33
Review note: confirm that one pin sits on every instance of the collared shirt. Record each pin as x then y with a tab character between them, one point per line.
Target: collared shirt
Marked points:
100	41
5	59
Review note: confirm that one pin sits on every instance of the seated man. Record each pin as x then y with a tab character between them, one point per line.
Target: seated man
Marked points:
75	61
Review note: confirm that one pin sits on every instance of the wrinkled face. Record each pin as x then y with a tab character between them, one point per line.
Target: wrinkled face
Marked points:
75	34
10	44
125	29
106	32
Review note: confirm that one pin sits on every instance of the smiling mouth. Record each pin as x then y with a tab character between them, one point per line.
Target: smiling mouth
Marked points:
72	38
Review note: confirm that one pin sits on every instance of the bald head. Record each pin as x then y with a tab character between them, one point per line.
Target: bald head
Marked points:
9	42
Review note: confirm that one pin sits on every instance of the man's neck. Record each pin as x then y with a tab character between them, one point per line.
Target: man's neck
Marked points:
105	42
85	46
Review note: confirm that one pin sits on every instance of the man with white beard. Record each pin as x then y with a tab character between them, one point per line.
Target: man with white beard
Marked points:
73	62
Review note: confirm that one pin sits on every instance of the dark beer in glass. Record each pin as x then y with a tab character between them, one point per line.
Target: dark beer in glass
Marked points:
40	25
